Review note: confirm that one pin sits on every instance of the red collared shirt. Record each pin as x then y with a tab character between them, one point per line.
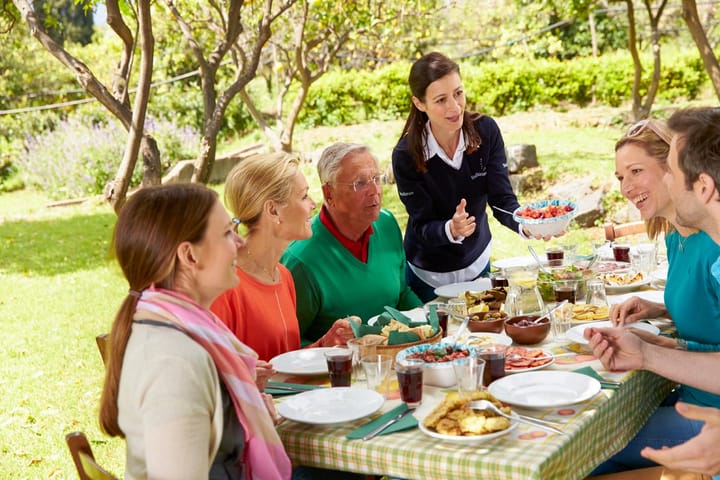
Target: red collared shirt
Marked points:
359	248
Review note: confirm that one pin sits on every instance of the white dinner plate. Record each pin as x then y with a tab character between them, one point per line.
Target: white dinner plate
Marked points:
415	315
545	389
615	289
516	262
466	438
327	406
457	289
545	353
306	361
481	339
575	334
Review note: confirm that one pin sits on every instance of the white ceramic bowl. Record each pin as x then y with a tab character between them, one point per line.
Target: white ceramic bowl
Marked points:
438	374
546	226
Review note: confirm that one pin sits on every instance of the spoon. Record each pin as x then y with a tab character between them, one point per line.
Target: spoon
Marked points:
462	328
537	259
501	210
537	320
486	405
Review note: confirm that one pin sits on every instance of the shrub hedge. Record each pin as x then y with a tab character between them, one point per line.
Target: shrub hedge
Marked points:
351	96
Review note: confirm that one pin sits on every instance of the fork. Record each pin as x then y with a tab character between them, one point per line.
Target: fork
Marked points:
486	405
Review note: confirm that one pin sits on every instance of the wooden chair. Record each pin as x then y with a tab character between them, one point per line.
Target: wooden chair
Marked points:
615	231
82	456
102	344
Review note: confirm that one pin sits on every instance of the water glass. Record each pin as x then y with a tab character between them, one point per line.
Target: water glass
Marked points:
569	253
359	351
642	259
377	369
339	363
596	294
561	322
469	373
410	380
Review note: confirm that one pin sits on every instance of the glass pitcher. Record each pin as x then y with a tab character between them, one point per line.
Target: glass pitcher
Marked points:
523	296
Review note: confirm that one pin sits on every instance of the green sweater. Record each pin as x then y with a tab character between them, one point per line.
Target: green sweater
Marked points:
331	283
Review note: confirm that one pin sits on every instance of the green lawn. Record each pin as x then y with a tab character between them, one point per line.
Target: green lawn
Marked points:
58	289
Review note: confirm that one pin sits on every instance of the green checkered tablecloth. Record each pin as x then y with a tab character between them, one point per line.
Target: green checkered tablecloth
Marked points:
595	430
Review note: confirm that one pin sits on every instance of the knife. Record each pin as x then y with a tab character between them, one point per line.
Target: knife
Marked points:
385	425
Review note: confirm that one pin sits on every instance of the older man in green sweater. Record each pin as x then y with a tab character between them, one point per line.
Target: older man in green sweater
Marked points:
354	263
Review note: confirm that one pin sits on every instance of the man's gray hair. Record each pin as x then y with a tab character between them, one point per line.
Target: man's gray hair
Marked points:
329	163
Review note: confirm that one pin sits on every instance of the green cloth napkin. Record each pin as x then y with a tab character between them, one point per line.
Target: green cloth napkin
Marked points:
299	387
405	423
590	372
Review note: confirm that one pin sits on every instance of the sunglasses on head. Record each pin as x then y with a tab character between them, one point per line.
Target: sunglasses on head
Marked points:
637	128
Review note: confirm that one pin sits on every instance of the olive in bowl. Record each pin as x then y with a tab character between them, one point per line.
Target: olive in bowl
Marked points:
524	332
491	321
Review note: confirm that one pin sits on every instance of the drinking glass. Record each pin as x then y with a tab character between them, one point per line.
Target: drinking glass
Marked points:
377	370
359	351
339	363
569	253
468	374
561	321
555	256
642	258
410	380
498	279
596	293
621	253
494	356
565	290
442	310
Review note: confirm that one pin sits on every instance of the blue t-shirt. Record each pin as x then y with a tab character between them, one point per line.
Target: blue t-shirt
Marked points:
692	297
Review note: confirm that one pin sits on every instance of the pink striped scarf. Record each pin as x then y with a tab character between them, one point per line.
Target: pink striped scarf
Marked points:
264	454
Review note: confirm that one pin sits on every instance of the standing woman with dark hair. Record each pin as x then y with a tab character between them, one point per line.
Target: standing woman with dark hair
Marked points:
179	386
449	165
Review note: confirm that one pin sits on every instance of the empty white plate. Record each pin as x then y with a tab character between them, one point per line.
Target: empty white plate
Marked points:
307	361
544	389
327	406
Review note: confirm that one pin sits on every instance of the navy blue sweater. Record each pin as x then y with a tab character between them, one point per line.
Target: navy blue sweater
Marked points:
431	197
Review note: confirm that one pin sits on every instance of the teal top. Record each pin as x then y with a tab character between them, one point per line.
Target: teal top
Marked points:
692	297
331	283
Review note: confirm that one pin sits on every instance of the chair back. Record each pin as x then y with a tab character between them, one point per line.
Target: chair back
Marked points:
102	344
82	456
613	232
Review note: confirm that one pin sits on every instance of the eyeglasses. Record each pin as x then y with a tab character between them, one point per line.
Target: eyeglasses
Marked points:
360	185
637	128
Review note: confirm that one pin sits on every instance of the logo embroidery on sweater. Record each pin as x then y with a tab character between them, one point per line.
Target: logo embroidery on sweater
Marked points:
477	174
406	194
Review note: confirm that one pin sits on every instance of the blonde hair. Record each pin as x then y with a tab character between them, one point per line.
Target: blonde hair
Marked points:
652	136
257	179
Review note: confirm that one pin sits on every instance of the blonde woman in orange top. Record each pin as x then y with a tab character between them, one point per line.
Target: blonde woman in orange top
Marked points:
269	195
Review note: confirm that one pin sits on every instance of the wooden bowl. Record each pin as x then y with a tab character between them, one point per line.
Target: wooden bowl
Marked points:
492	321
529	334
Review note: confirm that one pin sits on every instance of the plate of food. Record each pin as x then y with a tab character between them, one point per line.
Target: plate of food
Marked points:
306	361
544	389
328	406
575	334
524	359
611	266
483	339
451	420
583	313
618	282
458	289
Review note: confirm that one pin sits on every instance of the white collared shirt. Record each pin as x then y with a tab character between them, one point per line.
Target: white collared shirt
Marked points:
432	148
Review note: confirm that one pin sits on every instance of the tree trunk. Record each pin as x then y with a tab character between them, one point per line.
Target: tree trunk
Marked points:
646	108
637	64
690	15
151	175
258	117
289	125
